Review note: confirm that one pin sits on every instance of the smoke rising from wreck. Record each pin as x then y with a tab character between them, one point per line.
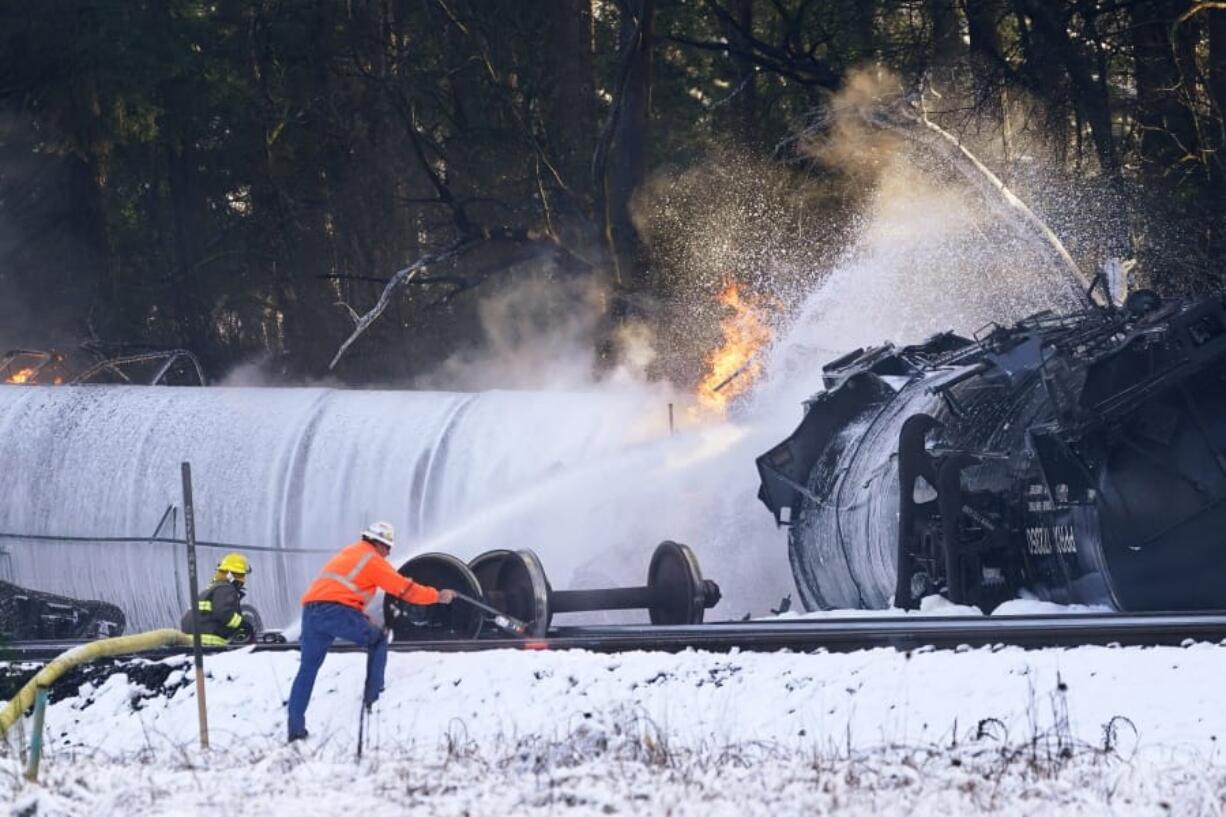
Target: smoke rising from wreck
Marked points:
922	254
540	332
913	252
928	253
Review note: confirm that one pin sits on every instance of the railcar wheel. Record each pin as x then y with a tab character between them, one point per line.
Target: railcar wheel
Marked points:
515	583
436	622
679	594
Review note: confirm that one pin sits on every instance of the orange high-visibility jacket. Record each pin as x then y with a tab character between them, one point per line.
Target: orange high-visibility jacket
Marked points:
351	576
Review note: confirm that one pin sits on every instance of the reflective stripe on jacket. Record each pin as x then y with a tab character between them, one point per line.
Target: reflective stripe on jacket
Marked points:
352	576
220	616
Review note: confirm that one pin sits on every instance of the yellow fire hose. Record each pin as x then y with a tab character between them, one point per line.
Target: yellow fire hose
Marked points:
103	648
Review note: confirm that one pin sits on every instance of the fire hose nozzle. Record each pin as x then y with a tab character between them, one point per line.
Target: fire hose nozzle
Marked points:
501	620
505	623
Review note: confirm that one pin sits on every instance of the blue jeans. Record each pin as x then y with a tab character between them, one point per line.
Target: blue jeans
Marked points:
322	623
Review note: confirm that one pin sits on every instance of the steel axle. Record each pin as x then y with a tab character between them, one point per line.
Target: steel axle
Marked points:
675	592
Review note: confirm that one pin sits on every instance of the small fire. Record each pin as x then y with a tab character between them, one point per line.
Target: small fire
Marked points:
21	375
735	366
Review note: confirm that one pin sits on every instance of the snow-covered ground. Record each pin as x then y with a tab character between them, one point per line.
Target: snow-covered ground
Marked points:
1081	731
940	606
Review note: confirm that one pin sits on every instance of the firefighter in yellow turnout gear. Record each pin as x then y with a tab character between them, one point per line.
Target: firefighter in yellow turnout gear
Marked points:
221	618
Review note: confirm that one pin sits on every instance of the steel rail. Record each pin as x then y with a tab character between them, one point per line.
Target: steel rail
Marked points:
804	635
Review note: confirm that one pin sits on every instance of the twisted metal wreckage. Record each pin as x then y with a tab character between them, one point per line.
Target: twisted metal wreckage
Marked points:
1078	458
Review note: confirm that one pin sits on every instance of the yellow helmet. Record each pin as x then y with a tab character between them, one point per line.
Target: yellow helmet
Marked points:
234	563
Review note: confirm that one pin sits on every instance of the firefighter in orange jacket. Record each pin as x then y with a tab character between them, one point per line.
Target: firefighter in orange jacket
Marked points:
333	607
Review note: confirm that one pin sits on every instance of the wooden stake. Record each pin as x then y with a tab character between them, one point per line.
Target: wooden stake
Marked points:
189	526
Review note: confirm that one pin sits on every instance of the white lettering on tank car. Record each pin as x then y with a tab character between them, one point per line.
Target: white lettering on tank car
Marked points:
1041	541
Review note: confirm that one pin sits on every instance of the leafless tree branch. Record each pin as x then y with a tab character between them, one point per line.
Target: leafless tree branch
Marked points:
1197	8
532	244
912	121
361	324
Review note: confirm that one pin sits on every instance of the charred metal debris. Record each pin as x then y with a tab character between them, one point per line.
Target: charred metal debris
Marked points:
1077	458
177	367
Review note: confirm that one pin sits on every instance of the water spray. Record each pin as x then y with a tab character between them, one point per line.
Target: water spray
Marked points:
910	119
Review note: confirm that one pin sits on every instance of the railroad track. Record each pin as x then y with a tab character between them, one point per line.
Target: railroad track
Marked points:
802	635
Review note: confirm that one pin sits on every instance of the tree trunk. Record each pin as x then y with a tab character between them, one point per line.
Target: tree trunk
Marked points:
569	114
983	19
89	228
188	221
947	48
628	163
570	110
310	315
864	16
1051	33
1166	130
740	111
1216	80
1047	79
1217	95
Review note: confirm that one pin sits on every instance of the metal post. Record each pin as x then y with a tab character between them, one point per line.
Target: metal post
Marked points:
189	532
171	515
36	736
670	418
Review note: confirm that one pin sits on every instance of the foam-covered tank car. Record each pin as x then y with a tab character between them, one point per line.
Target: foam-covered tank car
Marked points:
1077	458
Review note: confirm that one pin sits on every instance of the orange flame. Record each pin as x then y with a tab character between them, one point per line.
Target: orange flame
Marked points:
734	367
21	375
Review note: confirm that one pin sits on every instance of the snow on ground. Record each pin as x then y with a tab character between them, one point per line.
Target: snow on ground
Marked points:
941	606
1089	730
912	782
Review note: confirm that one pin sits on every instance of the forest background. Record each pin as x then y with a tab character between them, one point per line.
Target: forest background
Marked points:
241	178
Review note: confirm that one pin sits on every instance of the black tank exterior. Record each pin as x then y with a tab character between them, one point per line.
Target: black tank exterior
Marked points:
30	614
1079	458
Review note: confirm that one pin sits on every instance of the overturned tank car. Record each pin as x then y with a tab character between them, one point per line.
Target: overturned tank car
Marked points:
1077	459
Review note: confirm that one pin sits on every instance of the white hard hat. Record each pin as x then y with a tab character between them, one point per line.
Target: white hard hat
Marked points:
381	532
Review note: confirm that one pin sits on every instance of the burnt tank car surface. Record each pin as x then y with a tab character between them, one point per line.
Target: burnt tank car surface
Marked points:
1079	459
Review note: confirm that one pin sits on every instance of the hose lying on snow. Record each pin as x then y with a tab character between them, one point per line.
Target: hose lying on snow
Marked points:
49	674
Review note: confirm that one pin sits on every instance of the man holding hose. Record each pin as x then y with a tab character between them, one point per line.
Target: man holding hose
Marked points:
334	607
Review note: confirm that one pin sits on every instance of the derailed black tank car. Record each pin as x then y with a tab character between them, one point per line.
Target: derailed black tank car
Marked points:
1079	458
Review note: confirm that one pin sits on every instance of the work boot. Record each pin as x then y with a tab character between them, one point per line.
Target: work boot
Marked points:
303	735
